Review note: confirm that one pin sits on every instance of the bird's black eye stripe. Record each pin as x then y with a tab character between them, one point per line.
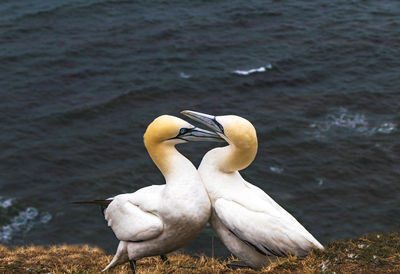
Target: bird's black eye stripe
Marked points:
184	131
221	128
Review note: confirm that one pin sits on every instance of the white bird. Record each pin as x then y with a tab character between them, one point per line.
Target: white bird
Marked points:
248	221
159	219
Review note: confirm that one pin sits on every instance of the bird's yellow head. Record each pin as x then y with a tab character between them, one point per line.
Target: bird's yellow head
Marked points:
165	132
237	131
164	128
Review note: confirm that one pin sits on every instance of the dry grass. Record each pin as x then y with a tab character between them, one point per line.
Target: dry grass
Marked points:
377	253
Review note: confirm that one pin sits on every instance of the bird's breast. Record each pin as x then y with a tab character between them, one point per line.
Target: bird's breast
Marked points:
186	203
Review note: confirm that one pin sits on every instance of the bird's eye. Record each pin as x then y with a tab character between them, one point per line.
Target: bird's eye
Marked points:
183	131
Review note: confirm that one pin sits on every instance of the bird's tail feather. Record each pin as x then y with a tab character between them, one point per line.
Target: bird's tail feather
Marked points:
102	203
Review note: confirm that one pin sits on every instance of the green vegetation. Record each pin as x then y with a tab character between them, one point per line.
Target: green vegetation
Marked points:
376	253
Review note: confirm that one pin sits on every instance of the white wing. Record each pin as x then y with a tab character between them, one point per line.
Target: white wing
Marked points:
133	217
274	233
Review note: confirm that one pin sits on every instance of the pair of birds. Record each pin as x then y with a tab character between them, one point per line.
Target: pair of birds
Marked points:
159	219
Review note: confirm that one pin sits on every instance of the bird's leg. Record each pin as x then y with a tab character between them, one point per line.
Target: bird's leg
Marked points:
132	263
164	259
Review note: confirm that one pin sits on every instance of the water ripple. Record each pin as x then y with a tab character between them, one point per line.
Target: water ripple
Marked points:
6	202
22	223
251	71
353	123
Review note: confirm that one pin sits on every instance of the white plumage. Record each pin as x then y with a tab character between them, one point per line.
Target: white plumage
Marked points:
159	219
248	221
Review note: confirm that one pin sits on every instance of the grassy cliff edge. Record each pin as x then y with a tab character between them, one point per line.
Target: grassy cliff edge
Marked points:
375	253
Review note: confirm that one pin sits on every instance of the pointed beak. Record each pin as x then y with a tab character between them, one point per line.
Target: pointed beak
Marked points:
198	134
206	119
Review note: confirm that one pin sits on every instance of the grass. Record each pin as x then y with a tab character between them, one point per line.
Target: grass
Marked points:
375	253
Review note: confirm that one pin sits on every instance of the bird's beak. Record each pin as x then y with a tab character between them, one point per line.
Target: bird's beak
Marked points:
198	134
206	119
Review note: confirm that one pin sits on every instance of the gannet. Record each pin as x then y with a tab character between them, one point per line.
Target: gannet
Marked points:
159	219
248	221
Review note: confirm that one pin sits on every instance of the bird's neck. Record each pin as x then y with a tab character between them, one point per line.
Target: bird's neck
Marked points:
169	161
232	158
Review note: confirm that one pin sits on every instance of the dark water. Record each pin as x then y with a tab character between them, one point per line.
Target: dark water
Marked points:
81	80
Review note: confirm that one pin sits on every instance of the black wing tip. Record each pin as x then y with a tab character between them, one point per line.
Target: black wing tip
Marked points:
272	252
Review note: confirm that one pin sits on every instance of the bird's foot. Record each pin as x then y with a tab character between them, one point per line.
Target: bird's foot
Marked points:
132	263
164	259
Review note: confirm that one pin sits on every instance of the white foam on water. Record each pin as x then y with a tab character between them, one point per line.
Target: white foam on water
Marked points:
250	71
320	181
277	170
22	223
352	122
5	203
387	128
184	75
